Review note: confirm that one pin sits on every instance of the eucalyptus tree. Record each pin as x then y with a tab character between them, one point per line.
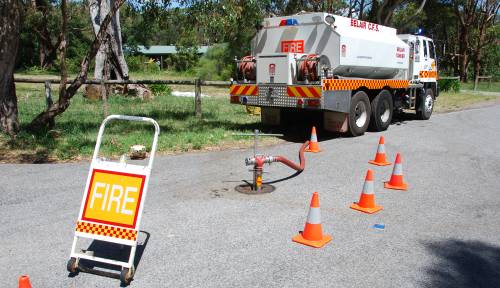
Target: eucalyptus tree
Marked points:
10	21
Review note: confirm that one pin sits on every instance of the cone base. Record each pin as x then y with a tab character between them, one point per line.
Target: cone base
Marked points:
355	206
404	186
315	244
379	163
313	151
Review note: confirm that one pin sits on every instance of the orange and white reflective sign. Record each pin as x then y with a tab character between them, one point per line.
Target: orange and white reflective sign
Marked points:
428	74
247	90
304	91
113	198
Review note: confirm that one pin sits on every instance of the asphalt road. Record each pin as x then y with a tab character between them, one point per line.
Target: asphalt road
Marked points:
443	232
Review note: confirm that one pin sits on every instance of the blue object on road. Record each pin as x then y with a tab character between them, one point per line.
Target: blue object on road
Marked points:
379	226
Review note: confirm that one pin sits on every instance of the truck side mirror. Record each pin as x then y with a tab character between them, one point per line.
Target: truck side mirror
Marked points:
329	19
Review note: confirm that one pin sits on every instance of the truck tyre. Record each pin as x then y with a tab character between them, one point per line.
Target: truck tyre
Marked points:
359	114
382	109
425	105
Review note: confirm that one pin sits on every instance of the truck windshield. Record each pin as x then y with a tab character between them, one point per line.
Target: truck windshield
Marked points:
432	54
425	49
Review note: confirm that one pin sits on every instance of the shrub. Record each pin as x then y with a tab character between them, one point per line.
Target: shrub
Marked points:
214	65
449	85
141	63
160	89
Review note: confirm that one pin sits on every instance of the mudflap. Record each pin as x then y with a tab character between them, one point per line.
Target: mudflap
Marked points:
270	116
335	121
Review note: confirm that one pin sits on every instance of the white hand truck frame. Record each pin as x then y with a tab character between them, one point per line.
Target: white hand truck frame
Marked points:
113	233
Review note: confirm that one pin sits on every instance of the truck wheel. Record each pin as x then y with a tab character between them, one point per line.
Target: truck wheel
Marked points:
382	109
359	114
426	105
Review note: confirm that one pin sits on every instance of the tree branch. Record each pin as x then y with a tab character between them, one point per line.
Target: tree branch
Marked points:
43	119
409	20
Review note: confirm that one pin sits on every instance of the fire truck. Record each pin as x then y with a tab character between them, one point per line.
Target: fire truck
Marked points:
356	73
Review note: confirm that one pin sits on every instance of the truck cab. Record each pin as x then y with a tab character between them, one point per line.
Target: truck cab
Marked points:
423	61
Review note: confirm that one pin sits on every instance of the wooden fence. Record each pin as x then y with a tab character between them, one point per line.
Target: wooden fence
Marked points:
476	80
197	83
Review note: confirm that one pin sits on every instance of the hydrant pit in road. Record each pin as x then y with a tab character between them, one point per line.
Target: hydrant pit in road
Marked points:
249	189
258	161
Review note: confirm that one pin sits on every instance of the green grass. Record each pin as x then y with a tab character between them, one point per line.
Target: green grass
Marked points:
482	86
450	101
76	129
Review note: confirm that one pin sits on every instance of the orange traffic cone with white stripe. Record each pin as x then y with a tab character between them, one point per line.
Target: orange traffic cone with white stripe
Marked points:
24	282
313	143
313	232
396	182
367	200
380	156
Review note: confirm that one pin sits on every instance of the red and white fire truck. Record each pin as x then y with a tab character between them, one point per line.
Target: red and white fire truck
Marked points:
355	72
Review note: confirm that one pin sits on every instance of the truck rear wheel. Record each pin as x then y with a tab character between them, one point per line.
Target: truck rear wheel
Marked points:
382	109
425	105
359	114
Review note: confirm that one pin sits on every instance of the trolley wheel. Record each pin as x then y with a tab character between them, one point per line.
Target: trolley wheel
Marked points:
72	265
127	275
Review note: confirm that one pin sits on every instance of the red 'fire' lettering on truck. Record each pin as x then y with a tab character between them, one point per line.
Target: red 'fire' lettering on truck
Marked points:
292	46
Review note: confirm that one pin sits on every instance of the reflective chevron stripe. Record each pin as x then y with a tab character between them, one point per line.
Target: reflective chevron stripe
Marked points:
304	91
247	90
354	84
428	74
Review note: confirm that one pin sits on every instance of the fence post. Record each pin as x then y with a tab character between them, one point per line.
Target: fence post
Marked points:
49	102
104	96
197	97
48	95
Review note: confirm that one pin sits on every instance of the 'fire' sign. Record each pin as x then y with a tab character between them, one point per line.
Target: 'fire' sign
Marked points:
113	198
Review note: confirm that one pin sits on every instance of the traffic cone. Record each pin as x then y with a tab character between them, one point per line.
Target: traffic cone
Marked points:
24	282
396	182
313	143
367	200
313	233
380	156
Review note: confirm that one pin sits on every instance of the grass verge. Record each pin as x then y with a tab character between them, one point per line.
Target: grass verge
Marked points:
449	101
482	86
76	130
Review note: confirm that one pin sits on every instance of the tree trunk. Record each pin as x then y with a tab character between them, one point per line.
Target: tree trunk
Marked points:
489	10
385	12
361	9
10	17
479	53
463	51
111	50
47	50
43	119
